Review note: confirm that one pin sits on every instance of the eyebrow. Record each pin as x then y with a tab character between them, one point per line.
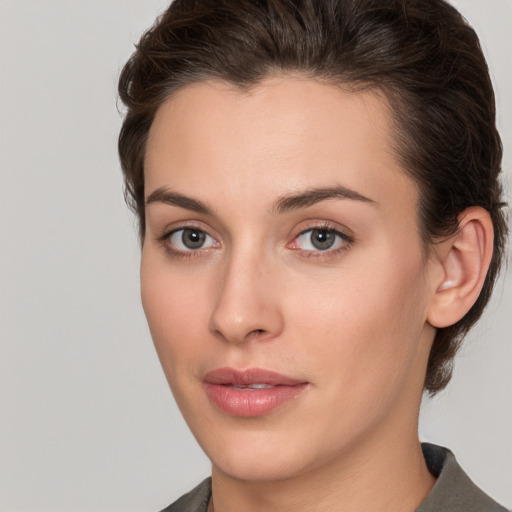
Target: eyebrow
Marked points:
312	196
166	196
286	203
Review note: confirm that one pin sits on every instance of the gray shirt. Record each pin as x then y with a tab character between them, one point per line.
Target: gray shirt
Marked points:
452	492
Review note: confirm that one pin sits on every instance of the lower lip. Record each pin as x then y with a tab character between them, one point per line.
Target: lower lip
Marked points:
250	403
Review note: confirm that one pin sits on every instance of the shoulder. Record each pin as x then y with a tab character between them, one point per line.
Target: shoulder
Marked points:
454	491
194	501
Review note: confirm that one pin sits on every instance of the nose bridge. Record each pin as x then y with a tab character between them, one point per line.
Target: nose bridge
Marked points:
246	305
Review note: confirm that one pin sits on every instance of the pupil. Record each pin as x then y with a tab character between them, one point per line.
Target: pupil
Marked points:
193	238
322	239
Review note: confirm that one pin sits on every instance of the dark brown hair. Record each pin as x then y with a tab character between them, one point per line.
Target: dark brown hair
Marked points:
421	53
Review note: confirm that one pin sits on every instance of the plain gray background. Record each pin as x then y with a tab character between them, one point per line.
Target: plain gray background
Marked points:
86	420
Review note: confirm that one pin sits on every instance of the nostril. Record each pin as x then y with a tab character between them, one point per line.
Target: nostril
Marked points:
255	332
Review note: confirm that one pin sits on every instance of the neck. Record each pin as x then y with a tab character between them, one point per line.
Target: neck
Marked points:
380	474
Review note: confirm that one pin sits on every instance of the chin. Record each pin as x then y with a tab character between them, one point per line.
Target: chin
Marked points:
260	456
258	467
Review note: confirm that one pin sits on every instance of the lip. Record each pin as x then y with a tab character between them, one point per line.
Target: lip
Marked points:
228	389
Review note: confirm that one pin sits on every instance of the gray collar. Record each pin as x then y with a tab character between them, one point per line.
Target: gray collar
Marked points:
453	491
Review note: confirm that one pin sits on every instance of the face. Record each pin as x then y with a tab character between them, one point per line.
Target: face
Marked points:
283	276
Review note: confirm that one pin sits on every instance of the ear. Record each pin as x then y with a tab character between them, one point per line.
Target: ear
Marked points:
461	264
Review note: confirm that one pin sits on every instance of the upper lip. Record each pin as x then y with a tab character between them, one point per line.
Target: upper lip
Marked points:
249	376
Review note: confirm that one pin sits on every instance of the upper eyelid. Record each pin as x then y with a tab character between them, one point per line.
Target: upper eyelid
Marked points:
327	225
338	232
171	228
321	227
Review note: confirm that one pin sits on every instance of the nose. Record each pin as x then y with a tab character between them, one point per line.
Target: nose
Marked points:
247	306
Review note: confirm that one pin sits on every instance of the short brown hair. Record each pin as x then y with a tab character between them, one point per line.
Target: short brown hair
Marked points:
421	53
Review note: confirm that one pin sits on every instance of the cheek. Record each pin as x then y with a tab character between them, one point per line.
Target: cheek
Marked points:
176	307
363	325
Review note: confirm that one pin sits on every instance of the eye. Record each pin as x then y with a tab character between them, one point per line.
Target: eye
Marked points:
321	239
190	239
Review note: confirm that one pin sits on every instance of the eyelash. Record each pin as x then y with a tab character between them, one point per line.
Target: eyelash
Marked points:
346	239
174	253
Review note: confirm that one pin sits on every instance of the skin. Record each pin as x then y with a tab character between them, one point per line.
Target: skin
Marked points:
352	321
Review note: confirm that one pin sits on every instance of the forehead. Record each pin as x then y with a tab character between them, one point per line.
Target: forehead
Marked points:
282	135
287	107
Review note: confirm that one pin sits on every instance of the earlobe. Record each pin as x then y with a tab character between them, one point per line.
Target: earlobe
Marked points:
464	259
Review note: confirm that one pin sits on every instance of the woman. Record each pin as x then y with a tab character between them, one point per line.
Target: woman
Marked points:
321	223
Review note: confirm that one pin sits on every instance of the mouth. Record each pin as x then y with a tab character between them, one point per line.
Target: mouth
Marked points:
251	386
250	393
